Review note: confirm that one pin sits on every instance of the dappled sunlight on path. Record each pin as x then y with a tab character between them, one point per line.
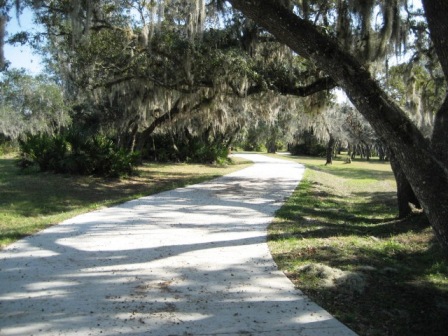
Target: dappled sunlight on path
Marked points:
191	261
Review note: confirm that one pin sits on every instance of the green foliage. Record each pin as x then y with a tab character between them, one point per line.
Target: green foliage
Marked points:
308	146
194	149
30	104
253	147
74	153
256	138
6	146
411	82
311	149
199	151
106	159
269	136
44	150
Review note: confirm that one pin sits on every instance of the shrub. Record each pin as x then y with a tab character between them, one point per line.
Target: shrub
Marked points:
308	149
108	160
74	153
254	147
44	150
7	147
194	149
198	151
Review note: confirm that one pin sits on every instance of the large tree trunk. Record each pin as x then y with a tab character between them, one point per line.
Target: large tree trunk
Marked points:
405	194
439	141
422	166
436	12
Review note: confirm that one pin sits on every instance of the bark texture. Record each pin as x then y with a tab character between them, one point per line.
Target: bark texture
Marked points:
436	12
405	194
424	170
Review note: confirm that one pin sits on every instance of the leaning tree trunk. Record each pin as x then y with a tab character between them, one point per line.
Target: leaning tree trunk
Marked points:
422	166
405	194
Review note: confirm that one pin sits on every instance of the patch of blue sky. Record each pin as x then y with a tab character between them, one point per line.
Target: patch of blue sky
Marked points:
23	56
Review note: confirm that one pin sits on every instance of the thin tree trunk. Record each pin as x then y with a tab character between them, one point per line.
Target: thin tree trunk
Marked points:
381	153
353	155
368	152
330	150
134	134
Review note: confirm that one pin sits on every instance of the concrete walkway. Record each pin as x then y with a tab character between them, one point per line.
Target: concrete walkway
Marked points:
191	261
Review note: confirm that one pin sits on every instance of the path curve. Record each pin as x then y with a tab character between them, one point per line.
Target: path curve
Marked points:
191	261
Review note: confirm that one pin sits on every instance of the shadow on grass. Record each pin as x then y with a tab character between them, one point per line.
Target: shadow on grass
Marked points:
313	217
30	193
397	300
32	200
406	290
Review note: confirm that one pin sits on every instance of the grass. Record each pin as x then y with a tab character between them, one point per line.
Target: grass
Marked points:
343	216
31	201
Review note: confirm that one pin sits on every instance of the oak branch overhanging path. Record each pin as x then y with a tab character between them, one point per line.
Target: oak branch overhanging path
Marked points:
191	261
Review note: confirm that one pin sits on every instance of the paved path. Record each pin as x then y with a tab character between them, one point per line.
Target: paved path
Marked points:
192	261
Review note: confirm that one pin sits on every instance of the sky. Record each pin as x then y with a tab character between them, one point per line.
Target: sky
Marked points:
22	56
25	57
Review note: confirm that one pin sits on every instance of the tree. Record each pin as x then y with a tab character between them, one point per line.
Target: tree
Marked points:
424	163
136	71
137	65
132	66
30	105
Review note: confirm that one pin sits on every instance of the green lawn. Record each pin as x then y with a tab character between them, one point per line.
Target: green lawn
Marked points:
31	201
384	276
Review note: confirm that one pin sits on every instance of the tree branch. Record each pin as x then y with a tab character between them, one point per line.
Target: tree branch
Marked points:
321	84
175	110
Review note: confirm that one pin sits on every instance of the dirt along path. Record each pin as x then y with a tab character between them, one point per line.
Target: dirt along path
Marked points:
191	261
